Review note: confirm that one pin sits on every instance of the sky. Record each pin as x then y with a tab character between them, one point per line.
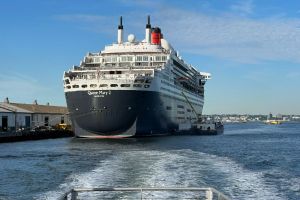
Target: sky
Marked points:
251	47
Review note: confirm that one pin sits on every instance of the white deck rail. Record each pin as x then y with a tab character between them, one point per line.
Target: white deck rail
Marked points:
210	193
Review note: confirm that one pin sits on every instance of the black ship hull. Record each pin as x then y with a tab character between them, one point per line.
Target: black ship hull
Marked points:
119	113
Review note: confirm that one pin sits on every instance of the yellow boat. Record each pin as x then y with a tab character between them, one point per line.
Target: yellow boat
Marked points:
273	122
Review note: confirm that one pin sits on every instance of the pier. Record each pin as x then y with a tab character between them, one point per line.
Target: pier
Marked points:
34	135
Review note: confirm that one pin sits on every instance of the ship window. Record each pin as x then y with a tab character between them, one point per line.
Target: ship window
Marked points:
96	60
180	106
148	81
75	86
67	81
145	58
103	85
114	59
114	85
129	58
125	85
146	86
119	72
164	58
188	110
139	58
84	86
92	76
180	112
157	58
107	59
123	58
93	85
138	80
111	72
137	85
69	87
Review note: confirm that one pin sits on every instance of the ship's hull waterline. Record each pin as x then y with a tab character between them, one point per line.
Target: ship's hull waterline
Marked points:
119	114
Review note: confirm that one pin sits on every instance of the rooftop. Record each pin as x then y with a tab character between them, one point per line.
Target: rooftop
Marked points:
47	109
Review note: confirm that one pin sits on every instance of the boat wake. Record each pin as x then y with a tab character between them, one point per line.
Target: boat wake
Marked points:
175	168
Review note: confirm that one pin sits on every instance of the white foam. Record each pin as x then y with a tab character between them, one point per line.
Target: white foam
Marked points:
179	168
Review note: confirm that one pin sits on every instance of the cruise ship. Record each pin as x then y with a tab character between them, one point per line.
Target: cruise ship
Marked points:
134	88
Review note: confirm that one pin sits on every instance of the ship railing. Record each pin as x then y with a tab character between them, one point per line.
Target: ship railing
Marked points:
205	193
120	66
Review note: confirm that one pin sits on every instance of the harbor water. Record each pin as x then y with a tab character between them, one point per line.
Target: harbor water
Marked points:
249	161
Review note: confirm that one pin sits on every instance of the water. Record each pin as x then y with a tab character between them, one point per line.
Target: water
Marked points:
250	161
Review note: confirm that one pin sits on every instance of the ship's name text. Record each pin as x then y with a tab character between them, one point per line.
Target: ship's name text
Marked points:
99	93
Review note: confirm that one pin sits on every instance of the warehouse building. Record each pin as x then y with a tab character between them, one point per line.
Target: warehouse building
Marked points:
16	116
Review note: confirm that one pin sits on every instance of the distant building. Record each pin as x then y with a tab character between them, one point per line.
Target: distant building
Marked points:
14	116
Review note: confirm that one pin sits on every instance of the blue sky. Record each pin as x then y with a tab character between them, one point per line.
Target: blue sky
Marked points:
251	47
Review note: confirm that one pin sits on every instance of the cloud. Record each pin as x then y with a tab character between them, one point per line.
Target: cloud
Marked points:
81	18
18	87
225	35
243	7
233	37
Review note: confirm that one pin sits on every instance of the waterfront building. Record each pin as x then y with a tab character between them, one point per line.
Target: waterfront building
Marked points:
16	116
12	116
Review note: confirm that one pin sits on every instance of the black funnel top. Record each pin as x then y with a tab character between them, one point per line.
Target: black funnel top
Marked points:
120	25
148	25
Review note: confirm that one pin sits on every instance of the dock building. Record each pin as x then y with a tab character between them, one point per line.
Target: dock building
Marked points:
18	116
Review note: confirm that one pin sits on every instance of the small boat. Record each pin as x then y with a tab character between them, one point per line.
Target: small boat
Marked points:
273	122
